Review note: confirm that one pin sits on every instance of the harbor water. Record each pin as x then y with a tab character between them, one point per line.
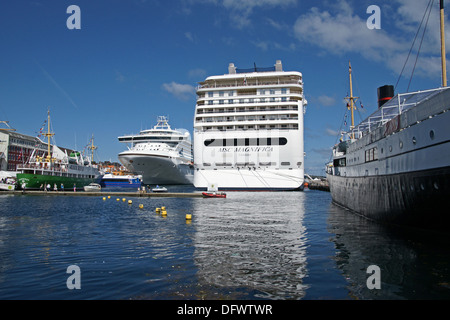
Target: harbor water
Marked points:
250	245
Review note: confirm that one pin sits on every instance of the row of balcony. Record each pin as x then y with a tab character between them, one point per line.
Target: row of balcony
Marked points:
246	109
249	83
248	127
275	117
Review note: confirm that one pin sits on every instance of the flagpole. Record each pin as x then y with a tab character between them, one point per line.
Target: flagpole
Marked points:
443	62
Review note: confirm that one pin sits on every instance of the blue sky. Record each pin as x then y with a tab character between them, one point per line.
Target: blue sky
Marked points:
133	60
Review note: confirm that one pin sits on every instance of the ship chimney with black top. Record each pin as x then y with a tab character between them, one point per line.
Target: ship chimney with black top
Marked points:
385	93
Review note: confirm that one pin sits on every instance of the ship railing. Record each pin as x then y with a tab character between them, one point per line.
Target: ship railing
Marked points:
249	118
41	167
267	109
391	109
243	82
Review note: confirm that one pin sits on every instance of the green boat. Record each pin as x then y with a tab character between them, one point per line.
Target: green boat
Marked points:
57	170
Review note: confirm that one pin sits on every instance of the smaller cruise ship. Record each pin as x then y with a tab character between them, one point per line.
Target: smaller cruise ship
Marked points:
160	155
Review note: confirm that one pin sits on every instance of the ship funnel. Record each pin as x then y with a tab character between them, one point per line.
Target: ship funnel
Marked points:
385	93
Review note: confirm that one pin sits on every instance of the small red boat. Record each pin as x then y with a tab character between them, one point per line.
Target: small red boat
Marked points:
214	195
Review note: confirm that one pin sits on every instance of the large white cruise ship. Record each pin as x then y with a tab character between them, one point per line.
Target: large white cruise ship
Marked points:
161	155
248	130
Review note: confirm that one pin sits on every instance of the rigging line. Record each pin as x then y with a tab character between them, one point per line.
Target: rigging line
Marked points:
260	178
412	45
291	177
420	46
242	176
264	180
358	94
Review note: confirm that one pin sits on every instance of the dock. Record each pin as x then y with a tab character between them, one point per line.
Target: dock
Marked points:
321	185
105	194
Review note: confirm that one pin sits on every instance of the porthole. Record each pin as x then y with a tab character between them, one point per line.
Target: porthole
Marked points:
414	140
436	186
390	148
401	144
432	134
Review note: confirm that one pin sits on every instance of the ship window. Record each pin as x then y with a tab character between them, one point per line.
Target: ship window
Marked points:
245	142
371	154
285	163
339	162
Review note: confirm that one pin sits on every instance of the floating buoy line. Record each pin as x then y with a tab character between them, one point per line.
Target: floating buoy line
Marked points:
160	210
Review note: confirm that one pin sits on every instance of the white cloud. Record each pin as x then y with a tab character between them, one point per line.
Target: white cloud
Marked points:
326	100
338	30
119	76
241	10
266	45
189	36
197	73
331	132
181	91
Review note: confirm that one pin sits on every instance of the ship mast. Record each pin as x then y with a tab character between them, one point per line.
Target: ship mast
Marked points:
351	100
48	135
92	147
444	68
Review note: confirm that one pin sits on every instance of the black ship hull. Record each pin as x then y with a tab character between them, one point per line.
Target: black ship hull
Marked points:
418	199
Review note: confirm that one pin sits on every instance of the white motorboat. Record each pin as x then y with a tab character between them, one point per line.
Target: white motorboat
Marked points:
159	189
92	187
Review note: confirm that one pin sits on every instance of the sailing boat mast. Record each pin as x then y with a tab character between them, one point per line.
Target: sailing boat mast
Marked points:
444	68
48	135
351	100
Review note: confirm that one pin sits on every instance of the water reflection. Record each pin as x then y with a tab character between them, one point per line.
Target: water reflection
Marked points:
254	241
414	264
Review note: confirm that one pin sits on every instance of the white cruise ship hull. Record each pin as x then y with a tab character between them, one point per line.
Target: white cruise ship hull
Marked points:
254	167
157	169
249	179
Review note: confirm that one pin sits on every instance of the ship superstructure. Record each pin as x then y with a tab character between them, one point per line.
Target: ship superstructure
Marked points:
248	130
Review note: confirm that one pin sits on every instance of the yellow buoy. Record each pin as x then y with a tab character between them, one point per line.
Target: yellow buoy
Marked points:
164	213
158	210
118	199
163	208
104	198
189	217
141	206
123	199
109	197
130	202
